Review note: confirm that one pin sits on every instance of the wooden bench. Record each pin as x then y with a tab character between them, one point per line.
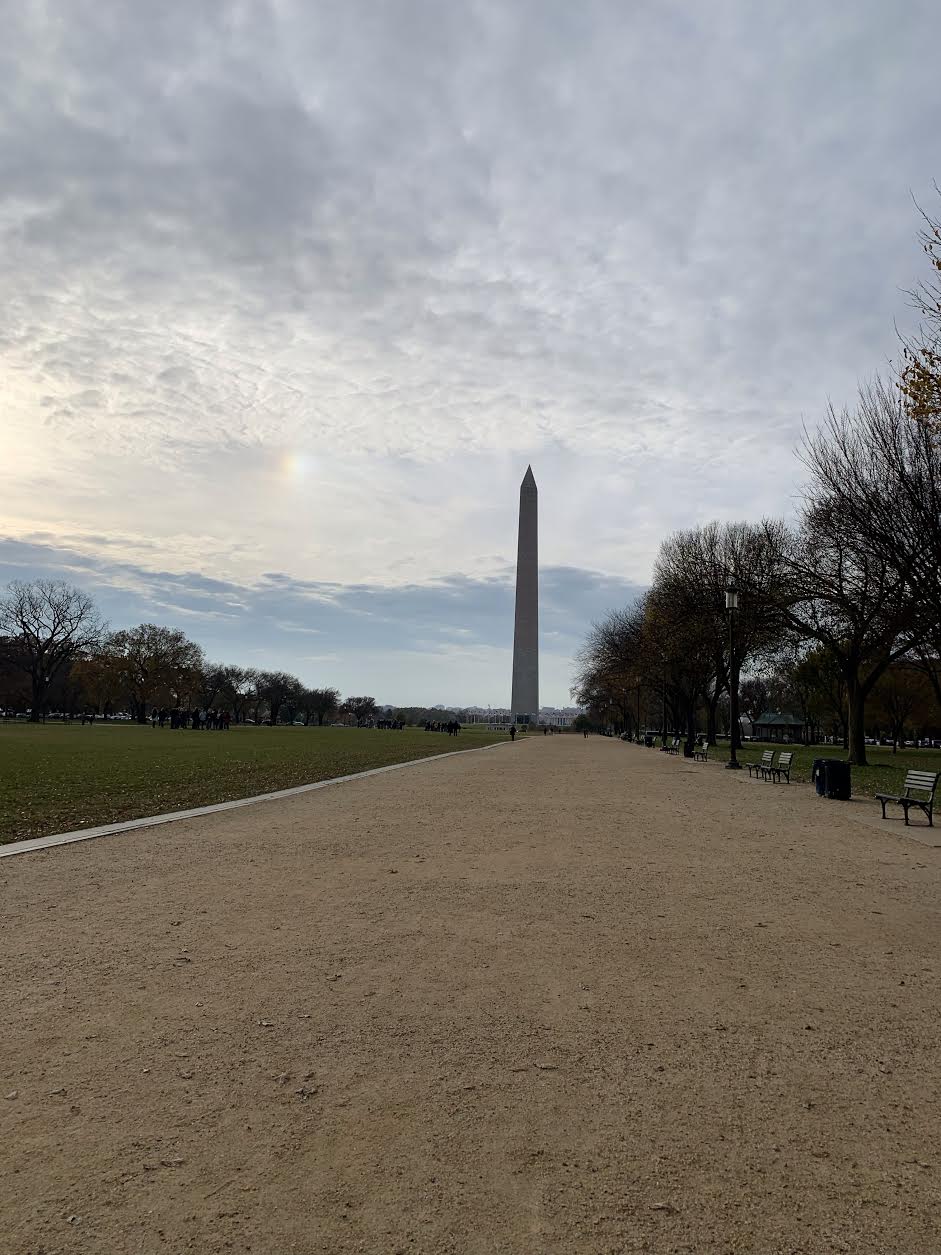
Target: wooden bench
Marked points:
781	768
915	782
758	769
701	752
675	747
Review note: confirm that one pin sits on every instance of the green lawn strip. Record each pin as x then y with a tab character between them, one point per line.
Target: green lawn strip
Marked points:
56	778
885	772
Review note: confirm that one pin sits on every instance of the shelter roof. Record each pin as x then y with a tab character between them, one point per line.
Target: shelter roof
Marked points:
780	718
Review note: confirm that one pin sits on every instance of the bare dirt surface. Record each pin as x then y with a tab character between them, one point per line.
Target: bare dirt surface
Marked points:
562	996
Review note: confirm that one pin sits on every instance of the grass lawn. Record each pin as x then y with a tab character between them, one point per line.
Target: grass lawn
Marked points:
56	778
884	774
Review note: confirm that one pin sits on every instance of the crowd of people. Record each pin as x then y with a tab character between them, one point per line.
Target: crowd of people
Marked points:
211	720
452	727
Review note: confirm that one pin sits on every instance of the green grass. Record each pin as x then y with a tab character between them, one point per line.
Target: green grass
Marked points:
57	778
884	773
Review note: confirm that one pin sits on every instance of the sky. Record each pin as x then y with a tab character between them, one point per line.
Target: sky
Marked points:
293	292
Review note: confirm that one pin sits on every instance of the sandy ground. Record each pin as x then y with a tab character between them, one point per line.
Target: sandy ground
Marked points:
562	996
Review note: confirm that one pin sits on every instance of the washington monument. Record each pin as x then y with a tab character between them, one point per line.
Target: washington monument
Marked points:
525	700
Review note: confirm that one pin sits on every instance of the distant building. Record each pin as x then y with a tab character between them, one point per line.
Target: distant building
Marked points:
778	725
500	717
558	718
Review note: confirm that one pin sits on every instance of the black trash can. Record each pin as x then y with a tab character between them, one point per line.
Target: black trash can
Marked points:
818	776
838	781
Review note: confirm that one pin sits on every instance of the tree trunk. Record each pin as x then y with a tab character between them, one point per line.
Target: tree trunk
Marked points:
39	699
690	730
711	712
857	723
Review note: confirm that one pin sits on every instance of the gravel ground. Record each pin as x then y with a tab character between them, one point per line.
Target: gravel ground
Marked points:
561	996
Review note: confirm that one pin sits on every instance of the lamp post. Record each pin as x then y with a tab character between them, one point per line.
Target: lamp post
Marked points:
731	604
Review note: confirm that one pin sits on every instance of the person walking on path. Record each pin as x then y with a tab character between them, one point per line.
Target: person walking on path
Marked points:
513	732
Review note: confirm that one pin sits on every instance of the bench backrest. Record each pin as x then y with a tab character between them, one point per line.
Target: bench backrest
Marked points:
766	758
784	760
920	782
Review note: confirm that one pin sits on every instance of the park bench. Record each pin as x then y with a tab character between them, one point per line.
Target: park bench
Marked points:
675	747
915	782
781	768
701	751
758	769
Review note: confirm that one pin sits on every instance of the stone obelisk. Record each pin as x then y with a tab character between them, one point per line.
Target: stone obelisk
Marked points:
525	700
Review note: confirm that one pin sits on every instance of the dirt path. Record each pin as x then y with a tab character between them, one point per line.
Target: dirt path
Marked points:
566	996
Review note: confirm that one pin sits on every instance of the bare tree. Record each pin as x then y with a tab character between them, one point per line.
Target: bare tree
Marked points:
902	694
851	601
612	667
877	476
921	355
691	575
684	647
865	573
277	688
362	709
817	680
155	663
754	696
211	682
323	703
47	625
238	687
98	677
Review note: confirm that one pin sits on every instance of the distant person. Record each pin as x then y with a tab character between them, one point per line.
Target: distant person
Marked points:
585	733
153	717
545	730
513	732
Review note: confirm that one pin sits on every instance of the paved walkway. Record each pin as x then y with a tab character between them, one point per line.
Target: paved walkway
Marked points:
567	996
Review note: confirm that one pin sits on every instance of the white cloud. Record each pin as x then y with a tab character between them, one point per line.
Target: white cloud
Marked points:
303	288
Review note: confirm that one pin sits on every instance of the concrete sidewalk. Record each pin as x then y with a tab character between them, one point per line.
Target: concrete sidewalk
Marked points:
574	996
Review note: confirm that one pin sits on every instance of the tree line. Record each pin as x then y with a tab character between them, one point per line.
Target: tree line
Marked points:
57	653
839	614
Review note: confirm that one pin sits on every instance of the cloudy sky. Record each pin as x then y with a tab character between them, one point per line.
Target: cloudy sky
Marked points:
294	291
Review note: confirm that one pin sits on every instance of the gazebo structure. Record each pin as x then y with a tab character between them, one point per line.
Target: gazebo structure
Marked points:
778	725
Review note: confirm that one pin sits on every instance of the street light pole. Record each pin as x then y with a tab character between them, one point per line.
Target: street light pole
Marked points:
731	604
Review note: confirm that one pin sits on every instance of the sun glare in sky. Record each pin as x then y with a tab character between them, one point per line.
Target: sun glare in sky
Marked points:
297	466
